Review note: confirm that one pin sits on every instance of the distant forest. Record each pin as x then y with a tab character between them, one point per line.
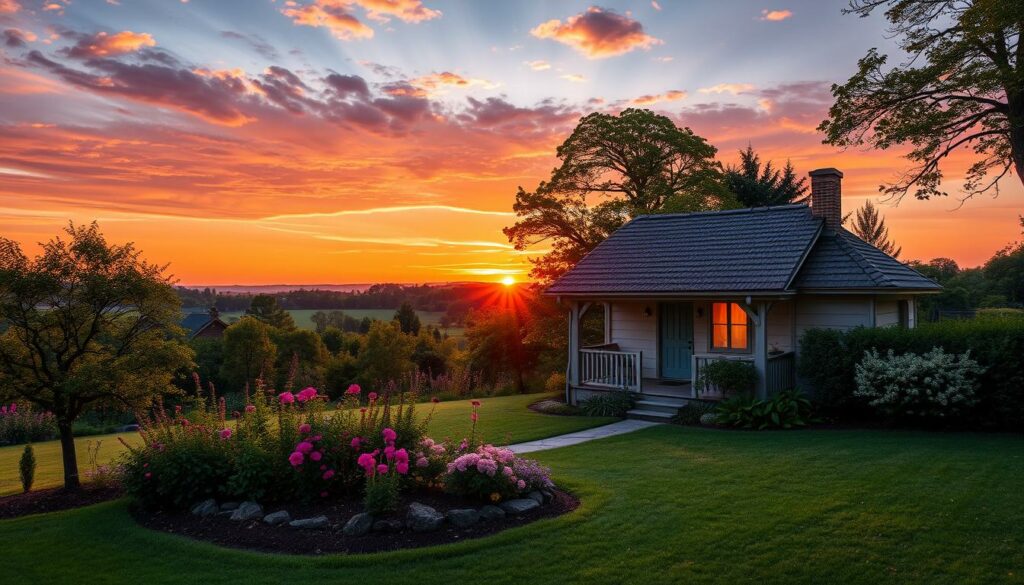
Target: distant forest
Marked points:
455	300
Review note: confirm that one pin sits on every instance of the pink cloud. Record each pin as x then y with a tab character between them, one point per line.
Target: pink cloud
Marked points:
404	10
733	88
775	15
597	33
669	96
331	14
103	44
9	6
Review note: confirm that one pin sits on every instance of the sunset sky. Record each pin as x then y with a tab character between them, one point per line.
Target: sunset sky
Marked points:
345	141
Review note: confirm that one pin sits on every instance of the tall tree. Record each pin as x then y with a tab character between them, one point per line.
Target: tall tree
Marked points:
757	186
266	309
869	226
86	323
961	90
249	353
638	161
408	320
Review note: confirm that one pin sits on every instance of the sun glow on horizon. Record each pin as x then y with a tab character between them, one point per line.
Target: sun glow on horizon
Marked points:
508	280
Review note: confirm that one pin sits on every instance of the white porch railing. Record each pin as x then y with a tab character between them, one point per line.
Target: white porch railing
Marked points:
610	369
780	376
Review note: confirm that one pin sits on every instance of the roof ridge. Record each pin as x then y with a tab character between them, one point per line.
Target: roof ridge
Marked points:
786	207
866	265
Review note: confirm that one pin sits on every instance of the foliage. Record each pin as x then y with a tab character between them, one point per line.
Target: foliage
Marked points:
640	161
100	474
786	410
755	186
615	404
555	383
935	385
384	470
266	309
87	323
694	412
963	88
494	474
249	353
407	319
495	342
301	356
24	425
27	468
386	354
870	227
828	361
729	377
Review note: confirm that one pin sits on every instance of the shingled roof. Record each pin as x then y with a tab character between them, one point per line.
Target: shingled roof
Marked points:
766	249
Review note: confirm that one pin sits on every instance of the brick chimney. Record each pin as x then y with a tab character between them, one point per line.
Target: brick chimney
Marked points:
826	196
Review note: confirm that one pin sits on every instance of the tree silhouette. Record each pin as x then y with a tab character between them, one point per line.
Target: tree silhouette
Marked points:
869	226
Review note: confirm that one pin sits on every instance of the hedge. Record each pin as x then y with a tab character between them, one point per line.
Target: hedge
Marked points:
828	359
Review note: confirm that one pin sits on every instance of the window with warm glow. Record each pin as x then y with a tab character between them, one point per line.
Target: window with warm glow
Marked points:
730	330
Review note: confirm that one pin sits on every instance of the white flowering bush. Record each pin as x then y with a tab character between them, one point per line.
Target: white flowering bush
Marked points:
936	385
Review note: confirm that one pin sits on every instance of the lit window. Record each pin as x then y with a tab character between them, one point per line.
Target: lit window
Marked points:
730	330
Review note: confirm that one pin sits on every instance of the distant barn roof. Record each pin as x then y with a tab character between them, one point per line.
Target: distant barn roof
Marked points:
193	322
766	249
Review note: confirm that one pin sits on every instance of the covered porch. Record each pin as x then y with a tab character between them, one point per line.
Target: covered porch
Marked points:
658	347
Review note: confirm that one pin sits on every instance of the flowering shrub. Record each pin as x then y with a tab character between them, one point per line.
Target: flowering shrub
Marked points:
23	425
494	474
935	385
384	470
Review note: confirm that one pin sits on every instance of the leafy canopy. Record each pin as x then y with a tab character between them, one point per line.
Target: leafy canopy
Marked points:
639	161
961	90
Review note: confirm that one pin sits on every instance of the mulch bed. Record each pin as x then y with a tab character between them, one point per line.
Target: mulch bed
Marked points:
258	536
54	500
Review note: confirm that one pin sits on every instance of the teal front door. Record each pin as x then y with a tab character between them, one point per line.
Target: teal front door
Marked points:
676	332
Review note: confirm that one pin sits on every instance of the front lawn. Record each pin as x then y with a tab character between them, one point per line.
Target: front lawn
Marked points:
503	420
663	505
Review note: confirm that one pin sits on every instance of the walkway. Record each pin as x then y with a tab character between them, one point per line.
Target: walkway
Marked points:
619	428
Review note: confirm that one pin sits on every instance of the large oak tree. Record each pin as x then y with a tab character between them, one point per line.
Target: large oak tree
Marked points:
962	89
637	162
86	323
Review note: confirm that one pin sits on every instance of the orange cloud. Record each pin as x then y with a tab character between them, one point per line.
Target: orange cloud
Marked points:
105	45
9	6
436	82
539	65
597	33
404	10
733	88
575	78
331	14
775	15
669	96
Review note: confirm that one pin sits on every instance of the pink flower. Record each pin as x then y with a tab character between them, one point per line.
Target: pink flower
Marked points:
354	389
250	408
306	394
304	447
402	467
225	434
521	485
473	417
422	462
382	469
368	463
463	445
304	428
323	494
316	456
389	452
356	443
435	399
328	474
296	459
148	474
372	396
389	435
475	403
286	397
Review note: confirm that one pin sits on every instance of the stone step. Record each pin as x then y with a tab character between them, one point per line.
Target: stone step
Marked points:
650	415
669	408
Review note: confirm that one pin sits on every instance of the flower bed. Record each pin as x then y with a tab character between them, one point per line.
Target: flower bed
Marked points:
362	471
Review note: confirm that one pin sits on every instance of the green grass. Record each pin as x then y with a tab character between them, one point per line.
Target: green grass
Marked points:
303	317
663	505
502	420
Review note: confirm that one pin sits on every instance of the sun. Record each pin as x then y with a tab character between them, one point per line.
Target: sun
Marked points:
508	281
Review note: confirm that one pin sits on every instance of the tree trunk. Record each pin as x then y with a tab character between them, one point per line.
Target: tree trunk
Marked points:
69	456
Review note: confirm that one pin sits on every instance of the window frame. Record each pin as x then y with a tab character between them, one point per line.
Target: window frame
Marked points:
749	349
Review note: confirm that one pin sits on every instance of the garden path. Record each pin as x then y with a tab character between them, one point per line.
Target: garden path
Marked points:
618	428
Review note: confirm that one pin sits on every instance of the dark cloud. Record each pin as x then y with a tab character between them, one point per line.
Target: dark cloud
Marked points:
344	85
15	38
597	33
497	114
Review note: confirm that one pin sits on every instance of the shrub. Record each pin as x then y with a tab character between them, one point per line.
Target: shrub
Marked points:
24	425
828	361
384	470
694	412
608	404
709	418
27	468
935	385
785	410
730	377
555	383
494	474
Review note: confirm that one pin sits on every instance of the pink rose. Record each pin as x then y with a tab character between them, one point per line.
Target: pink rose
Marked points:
286	397
382	469
316	456
296	459
389	435
354	389
304	429
402	467
422	462
306	394
304	447
328	474
225	434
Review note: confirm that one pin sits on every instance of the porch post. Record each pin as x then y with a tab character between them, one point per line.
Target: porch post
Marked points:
574	344
761	349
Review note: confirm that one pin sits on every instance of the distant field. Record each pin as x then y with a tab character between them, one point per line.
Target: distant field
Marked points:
303	317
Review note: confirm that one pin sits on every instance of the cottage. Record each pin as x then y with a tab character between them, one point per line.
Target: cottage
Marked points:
680	290
204	325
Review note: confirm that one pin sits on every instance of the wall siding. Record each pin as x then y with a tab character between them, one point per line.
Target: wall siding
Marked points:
632	330
887	313
841	313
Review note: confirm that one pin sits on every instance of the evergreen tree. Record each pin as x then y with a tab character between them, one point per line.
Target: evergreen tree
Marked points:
266	309
755	186
408	320
870	227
